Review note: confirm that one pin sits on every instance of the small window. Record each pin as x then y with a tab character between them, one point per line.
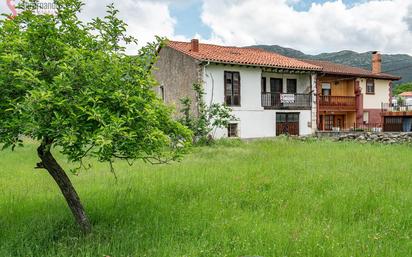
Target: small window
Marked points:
326	89
232	130
232	88
370	86
263	85
293	117
280	117
291	86
366	117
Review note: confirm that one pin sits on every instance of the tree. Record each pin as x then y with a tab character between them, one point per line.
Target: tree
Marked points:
69	85
402	88
207	119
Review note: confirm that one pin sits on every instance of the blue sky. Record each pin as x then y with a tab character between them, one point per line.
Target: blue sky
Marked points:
188	19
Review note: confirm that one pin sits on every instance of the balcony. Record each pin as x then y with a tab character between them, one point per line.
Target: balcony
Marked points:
272	101
394	109
337	103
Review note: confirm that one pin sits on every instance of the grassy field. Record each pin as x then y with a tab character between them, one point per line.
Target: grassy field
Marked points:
262	198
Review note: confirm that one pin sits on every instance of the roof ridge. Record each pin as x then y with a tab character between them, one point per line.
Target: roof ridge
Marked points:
241	56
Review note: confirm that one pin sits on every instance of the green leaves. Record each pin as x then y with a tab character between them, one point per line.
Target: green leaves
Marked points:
208	118
399	89
60	81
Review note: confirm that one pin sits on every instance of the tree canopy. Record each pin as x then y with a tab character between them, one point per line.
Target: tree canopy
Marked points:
407	87
71	85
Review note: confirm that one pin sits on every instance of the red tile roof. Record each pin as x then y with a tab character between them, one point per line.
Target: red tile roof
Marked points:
242	56
339	69
407	94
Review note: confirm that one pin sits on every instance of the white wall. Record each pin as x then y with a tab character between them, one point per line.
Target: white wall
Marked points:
254	121
303	81
250	98
374	101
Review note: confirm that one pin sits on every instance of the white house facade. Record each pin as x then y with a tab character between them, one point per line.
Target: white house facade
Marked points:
270	103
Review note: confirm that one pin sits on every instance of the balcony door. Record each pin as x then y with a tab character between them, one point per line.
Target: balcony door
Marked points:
276	88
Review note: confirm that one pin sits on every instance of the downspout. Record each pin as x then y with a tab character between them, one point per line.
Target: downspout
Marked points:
213	81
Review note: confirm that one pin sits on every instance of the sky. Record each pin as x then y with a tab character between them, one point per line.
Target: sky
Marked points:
313	27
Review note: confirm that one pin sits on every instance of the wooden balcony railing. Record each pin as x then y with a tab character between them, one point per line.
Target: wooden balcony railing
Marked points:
286	101
327	102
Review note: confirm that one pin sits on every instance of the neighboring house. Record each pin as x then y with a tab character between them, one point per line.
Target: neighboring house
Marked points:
406	98
397	113
351	98
271	94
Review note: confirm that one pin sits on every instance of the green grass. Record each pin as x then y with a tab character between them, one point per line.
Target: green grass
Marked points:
262	198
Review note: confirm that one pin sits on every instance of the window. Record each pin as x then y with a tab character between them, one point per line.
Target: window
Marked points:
232	130
162	92
370	86
280	117
263	85
326	89
365	117
232	88
291	86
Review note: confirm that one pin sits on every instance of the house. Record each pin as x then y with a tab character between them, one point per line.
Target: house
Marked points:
351	98
397	113
271	94
406	98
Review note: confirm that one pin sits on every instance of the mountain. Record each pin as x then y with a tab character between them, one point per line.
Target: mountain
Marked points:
395	64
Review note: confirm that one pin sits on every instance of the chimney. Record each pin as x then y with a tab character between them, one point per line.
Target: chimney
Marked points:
376	62
194	45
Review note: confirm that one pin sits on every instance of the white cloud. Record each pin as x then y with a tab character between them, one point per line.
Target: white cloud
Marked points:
408	18
145	18
331	26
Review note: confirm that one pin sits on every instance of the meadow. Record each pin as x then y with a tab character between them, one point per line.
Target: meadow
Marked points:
261	198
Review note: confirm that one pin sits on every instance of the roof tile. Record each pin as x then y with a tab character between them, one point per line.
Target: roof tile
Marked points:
339	69
242	56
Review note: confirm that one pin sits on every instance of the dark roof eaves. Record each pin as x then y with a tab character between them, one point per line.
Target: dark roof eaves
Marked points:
375	76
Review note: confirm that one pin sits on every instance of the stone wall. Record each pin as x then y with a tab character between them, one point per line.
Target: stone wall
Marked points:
177	73
387	138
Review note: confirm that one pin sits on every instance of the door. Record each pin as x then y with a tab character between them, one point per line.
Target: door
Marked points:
326	122
287	124
339	121
393	124
276	88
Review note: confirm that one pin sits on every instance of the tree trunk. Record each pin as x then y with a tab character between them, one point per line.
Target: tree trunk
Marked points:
56	171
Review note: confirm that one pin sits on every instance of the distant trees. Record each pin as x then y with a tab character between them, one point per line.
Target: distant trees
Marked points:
70	86
406	87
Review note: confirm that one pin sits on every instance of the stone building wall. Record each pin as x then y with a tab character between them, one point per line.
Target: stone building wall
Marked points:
176	73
